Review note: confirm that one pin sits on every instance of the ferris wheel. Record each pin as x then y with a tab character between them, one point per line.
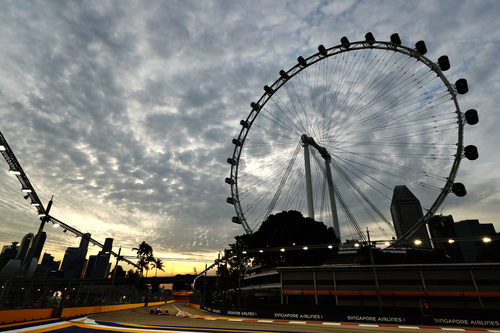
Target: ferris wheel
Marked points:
334	135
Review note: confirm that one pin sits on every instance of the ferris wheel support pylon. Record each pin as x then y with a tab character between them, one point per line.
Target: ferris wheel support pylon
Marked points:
307	165
329	178
331	192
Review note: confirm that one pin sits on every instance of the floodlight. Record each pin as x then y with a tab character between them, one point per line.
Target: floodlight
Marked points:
486	239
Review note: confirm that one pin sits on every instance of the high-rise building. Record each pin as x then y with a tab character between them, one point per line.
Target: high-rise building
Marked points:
443	235
108	245
72	264
84	244
24	246
98	266
474	231
406	211
90	267
8	252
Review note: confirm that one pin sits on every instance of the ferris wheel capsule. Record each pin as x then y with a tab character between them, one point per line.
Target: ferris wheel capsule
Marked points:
471	117
345	42
284	75
462	87
395	39
369	38
420	47
231	161
444	63
302	61
236	220
459	189
255	106
245	123
230	200
229	181
322	50
268	90
236	142
471	153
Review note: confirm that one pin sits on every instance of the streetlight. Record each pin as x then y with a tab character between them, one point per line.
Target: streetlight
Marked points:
486	239
417	242
305	248
451	241
282	249
14	172
330	246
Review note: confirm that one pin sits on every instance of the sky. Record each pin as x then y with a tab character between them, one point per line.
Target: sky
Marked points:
124	111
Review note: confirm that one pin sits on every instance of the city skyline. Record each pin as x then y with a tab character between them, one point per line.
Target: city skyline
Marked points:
125	114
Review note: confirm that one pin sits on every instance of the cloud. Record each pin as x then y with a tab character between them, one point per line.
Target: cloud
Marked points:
125	111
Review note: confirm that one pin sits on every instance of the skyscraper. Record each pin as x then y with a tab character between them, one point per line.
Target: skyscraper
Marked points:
84	244
406	211
98	266
472	229
25	245
72	264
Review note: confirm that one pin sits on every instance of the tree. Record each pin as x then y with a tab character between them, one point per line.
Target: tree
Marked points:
288	229
145	256
158	265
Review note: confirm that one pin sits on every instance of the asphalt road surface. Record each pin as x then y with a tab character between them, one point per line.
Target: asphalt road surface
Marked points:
182	318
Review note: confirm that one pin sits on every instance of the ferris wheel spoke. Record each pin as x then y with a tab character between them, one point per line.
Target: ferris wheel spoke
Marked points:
357	111
374	80
392	111
394	175
372	158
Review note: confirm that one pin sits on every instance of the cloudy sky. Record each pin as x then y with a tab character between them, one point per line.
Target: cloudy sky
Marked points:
125	110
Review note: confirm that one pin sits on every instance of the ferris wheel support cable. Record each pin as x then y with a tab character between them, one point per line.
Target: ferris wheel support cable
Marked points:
350	217
350	169
282	182
358	190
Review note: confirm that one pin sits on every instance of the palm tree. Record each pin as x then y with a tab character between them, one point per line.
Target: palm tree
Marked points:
158	265
144	250
145	256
